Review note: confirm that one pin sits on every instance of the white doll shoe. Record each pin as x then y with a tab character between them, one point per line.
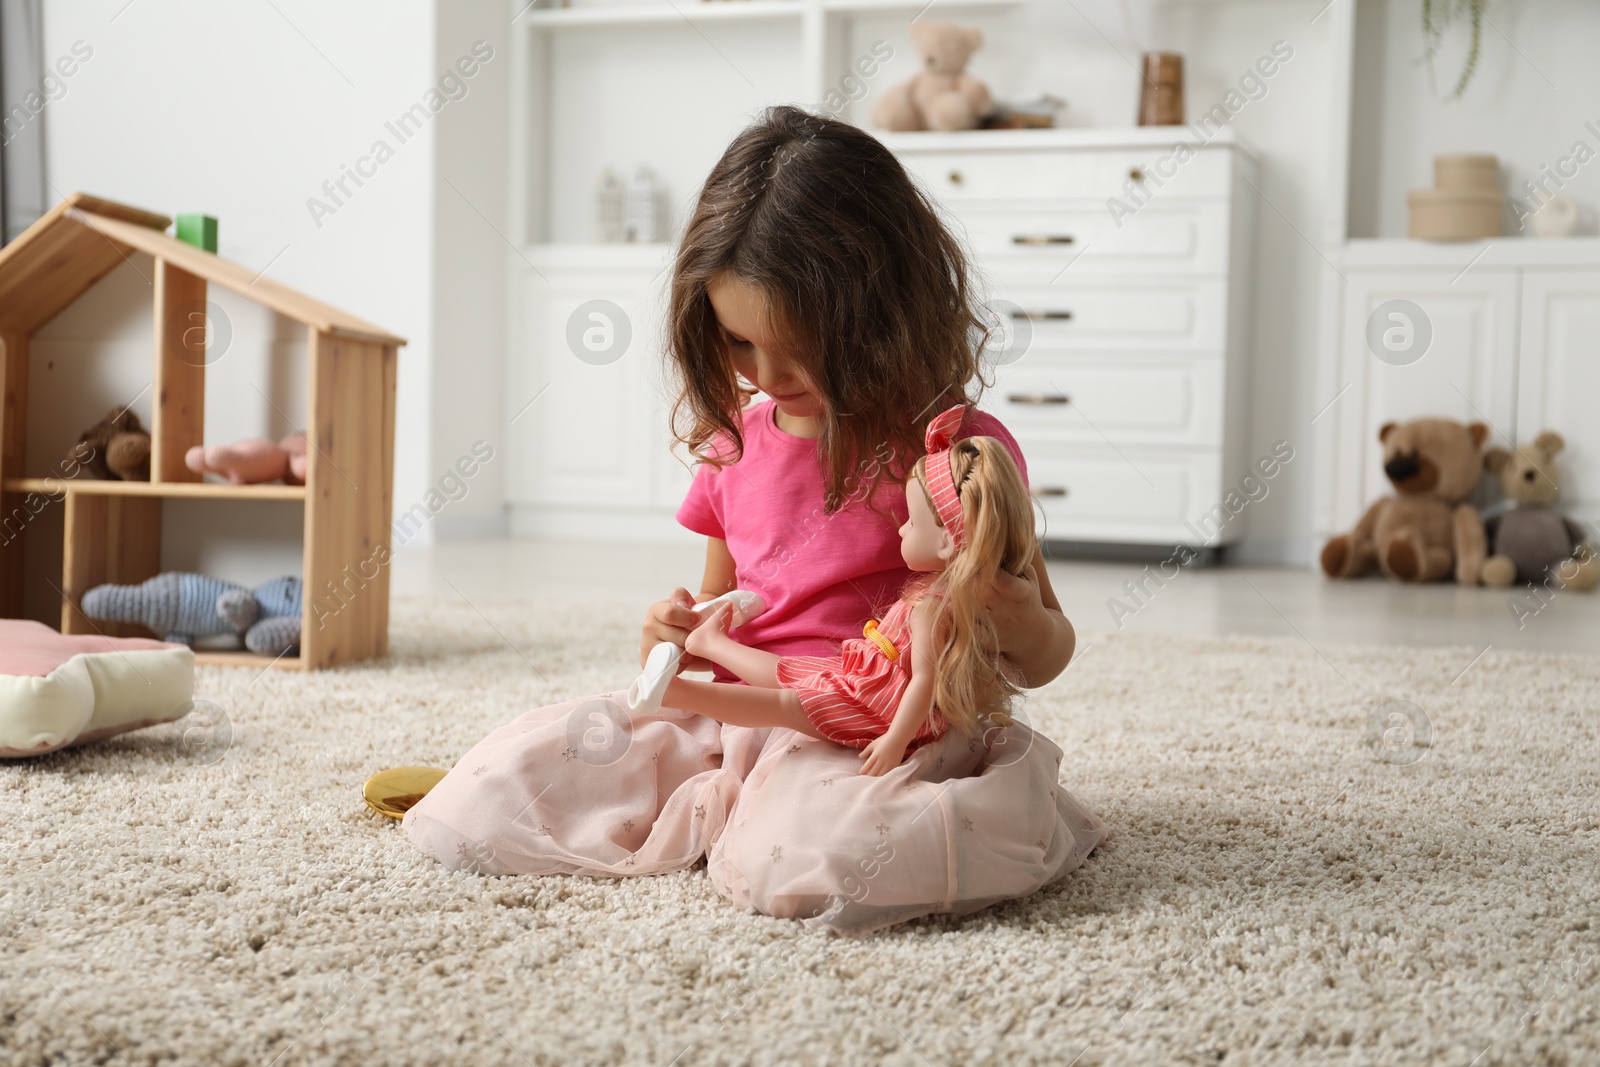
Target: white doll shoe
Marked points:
660	667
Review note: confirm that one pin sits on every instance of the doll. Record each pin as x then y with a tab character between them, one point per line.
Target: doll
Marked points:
931	664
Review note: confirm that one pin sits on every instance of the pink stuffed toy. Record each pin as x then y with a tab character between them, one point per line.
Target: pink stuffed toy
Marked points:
253	460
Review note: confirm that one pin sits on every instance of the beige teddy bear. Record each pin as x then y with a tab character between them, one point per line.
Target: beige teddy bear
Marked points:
1427	529
941	96
1531	541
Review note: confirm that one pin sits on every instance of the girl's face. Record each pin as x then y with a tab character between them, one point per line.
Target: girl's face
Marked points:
924	544
742	311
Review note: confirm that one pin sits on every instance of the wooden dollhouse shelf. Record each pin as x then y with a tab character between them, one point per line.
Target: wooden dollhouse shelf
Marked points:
224	658
186	490
111	530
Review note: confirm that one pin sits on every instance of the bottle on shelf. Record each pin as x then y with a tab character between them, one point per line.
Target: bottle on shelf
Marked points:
642	212
608	207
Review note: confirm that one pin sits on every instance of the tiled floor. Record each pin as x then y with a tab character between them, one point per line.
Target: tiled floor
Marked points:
1212	601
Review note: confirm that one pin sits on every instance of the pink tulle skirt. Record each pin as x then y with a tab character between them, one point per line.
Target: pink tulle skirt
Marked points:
788	825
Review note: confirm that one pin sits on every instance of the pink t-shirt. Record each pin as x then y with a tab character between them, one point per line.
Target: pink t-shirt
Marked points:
822	575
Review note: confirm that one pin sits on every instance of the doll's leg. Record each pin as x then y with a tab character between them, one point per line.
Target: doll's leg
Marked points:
710	641
740	705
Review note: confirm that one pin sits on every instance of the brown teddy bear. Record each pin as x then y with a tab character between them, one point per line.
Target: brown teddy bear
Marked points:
1531	541
116	447
1427	529
941	96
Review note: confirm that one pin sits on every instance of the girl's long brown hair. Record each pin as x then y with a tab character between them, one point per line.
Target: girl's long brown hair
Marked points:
868	290
971	683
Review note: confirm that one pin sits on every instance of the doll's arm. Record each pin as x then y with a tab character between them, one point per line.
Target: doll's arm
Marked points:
884	754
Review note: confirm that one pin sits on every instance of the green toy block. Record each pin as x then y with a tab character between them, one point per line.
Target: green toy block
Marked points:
198	230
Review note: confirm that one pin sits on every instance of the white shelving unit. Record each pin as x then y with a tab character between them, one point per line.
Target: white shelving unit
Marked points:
570	109
647	14
1513	321
591	457
1155	348
650	11
1513	324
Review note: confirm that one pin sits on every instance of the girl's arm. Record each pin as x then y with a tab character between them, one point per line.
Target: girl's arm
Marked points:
885	753
671	619
1034	633
721	574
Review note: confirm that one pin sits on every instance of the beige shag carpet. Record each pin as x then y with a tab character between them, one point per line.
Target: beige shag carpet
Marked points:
1282	889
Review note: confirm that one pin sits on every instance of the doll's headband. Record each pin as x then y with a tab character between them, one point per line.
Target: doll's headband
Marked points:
941	480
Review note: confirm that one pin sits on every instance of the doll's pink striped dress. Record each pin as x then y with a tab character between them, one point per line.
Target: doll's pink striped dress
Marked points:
852	697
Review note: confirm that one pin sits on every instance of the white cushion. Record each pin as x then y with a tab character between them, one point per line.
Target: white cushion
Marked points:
58	690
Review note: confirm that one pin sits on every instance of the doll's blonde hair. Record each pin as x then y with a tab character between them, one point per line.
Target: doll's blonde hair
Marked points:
972	685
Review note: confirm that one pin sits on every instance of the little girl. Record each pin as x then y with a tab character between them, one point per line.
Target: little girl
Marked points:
815	271
934	661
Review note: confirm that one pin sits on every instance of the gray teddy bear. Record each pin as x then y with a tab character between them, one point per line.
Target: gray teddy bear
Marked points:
1531	541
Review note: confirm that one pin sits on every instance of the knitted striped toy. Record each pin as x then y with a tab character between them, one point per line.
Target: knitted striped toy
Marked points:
183	607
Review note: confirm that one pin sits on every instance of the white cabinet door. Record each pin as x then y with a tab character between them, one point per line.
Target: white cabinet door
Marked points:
672	470
1559	378
1418	344
587	438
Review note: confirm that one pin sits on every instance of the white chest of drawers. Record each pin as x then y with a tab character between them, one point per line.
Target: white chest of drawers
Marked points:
1118	271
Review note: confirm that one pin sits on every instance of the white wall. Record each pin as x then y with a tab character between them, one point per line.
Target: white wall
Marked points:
241	112
471	246
1536	88
628	98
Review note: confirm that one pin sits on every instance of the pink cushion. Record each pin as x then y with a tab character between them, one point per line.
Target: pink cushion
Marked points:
33	649
57	690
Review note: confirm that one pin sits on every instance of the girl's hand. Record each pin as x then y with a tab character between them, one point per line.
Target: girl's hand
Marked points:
1034	635
671	620
1015	606
882	755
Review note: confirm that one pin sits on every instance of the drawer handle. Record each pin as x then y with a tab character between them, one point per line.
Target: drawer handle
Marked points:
1042	239
1038	398
1136	174
955	177
1036	313
1050	490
